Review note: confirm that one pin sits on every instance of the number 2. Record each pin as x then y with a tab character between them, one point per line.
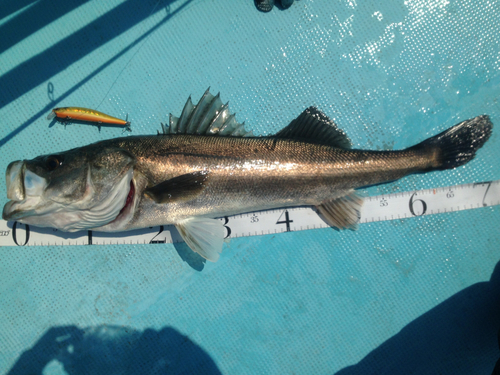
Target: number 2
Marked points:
157	234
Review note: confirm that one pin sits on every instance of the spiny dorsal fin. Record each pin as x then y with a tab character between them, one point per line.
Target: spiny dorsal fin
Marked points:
343	212
314	125
208	117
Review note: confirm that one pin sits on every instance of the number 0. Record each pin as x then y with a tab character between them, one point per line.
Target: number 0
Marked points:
14	234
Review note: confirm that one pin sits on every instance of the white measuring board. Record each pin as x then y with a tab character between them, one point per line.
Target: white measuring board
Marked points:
377	208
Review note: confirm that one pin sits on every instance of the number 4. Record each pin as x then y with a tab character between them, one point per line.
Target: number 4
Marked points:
287	221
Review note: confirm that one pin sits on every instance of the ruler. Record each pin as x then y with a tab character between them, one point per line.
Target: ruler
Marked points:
378	208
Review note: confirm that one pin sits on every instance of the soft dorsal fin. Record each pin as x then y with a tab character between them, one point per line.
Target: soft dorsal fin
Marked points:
314	125
208	117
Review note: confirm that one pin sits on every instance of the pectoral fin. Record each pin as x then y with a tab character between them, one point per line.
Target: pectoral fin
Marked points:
204	236
343	212
179	189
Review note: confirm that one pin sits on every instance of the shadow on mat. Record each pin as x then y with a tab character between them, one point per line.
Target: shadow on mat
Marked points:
29	16
458	336
42	67
115	350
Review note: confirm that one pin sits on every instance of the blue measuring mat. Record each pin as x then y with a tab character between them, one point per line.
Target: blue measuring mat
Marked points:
417	295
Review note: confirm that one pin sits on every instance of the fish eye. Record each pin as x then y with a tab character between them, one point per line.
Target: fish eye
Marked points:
53	162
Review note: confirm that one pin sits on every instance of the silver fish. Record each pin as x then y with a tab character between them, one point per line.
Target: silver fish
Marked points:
205	165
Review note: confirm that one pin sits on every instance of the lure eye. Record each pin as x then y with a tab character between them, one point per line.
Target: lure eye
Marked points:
53	162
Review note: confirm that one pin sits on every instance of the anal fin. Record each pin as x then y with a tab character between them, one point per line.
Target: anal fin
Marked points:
343	212
203	235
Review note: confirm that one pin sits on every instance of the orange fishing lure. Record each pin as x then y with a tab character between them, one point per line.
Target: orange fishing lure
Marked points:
86	115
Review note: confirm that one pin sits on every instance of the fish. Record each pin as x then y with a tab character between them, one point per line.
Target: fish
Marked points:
86	115
205	165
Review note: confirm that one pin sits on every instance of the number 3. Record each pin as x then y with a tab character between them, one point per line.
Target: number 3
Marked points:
228	230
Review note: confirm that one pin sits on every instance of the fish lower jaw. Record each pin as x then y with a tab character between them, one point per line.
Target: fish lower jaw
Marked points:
17	210
52	218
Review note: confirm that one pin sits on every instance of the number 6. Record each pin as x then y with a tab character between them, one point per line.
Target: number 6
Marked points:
424	205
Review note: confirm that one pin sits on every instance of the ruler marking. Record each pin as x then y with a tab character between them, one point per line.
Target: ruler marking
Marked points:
398	205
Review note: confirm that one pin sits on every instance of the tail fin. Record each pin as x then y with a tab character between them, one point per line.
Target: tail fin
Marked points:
51	115
458	145
127	125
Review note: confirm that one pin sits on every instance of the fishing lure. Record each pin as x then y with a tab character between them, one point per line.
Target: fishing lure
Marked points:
79	114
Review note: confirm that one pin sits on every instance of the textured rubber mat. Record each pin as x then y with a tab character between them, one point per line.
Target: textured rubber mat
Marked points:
413	296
